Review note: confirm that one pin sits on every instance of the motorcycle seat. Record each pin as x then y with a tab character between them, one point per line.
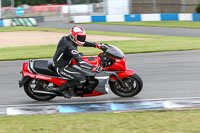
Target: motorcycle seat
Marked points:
44	67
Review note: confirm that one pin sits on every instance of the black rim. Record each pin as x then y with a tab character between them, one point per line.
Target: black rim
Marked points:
131	83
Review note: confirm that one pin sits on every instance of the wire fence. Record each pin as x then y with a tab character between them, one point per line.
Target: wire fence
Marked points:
6	8
52	10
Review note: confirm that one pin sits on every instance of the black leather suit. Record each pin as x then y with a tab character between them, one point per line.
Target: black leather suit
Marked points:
66	51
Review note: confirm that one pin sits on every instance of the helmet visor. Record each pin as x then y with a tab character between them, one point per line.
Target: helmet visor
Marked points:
81	38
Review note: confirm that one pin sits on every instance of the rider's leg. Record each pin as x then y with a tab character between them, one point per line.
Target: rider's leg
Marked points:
75	79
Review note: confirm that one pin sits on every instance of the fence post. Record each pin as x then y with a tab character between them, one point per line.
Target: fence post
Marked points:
69	3
154	6
13	6
183	10
105	7
88	4
0	10
12	3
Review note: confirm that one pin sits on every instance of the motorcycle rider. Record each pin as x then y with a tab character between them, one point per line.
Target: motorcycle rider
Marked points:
66	51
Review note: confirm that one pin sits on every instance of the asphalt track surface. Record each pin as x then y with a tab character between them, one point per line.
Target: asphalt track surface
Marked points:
165	75
185	32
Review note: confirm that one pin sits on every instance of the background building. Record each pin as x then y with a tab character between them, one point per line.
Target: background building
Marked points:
162	6
68	8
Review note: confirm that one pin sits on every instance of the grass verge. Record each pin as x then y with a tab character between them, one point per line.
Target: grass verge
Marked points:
129	46
156	44
177	24
127	122
14	29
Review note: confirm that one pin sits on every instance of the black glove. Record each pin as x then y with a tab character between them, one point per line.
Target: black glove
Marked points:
102	46
97	69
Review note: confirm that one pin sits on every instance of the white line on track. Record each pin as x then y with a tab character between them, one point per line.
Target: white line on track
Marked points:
143	100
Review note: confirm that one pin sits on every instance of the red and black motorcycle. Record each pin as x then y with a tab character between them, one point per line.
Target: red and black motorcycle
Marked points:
39	77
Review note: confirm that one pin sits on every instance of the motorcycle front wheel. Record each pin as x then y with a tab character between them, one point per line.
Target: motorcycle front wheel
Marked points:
134	86
33	85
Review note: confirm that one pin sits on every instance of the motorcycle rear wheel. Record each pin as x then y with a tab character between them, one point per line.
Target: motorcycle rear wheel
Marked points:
28	88
134	84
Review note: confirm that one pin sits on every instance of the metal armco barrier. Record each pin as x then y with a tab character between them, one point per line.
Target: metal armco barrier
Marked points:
18	22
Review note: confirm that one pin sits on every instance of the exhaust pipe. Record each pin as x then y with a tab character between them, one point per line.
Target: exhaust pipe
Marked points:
44	92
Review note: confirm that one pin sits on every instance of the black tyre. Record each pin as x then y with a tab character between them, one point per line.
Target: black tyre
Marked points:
134	84
33	84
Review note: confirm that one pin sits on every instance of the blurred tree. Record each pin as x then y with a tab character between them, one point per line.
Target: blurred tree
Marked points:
38	2
30	2
84	1
197	9
6	3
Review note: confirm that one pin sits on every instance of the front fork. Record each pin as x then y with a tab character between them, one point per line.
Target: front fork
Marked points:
120	81
121	75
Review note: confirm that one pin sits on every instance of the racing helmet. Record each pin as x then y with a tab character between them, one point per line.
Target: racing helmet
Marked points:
78	35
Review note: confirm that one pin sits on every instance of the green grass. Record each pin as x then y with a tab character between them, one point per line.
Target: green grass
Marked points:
178	24
127	122
159	44
13	29
155	44
21	28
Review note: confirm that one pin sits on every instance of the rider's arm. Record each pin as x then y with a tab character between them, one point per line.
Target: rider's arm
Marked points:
95	45
90	44
74	54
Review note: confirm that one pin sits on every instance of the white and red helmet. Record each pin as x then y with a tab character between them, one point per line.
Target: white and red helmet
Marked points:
78	35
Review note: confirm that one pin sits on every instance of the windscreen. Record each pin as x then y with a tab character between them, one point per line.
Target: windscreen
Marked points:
114	52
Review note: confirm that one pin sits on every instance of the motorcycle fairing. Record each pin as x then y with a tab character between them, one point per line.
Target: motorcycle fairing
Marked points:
103	79
27	72
94	60
119	65
123	74
94	93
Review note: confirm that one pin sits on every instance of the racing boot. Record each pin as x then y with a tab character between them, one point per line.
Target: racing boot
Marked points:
67	93
66	90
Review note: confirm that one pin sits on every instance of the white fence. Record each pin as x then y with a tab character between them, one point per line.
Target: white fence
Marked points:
139	17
